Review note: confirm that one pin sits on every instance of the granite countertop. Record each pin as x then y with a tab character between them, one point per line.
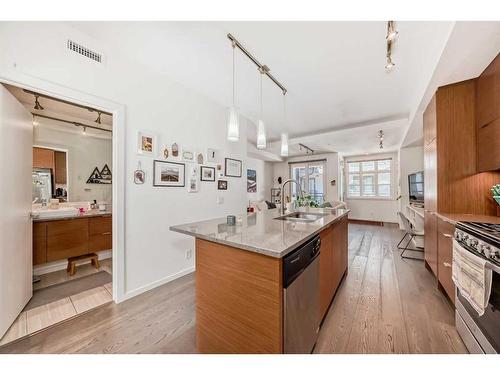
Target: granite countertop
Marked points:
260	232
454	218
88	213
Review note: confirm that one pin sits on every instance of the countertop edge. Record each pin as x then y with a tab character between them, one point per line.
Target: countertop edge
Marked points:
270	253
80	216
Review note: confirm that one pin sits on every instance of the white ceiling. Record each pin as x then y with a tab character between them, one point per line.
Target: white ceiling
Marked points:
334	71
61	110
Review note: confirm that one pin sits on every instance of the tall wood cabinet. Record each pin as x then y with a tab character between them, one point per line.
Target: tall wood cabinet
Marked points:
452	182
488	117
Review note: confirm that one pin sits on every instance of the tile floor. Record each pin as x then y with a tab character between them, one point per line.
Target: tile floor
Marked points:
41	317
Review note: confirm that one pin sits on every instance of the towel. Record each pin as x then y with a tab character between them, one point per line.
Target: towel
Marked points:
472	277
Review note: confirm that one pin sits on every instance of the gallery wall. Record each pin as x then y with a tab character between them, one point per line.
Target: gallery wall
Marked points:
264	171
84	153
152	254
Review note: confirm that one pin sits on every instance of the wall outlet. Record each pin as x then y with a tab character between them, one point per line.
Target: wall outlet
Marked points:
189	253
220	200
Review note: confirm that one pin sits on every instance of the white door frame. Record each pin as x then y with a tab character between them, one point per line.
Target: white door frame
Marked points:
16	78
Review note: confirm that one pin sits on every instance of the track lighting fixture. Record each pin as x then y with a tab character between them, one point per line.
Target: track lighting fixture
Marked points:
38	106
392	33
381	138
34	121
390	37
84	130
233	125
98	119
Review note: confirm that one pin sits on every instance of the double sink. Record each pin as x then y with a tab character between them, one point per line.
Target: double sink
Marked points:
302	217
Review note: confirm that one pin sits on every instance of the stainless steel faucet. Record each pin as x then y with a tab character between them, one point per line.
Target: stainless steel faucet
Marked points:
283	208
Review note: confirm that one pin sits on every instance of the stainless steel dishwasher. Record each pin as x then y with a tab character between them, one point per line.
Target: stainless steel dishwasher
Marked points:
301	297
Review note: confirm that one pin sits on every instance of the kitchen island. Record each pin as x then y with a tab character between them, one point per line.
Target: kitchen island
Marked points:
239	275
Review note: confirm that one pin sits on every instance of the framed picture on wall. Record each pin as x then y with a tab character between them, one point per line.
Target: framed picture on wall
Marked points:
233	167
222	185
169	174
207	174
146	143
251	181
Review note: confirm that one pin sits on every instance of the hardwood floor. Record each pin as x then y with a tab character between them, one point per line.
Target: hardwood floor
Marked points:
384	305
387	304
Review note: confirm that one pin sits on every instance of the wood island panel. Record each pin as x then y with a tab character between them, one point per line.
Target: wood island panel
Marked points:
239	304
326	270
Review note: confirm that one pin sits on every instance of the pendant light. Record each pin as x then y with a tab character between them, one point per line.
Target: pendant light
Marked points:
284	136
233	126
261	128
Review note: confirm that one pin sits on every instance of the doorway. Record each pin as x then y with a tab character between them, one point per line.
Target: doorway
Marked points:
311	177
60	290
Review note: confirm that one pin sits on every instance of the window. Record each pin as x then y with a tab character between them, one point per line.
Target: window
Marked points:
369	178
311	176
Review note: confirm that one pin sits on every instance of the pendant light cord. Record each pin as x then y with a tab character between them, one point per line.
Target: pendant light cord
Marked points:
261	110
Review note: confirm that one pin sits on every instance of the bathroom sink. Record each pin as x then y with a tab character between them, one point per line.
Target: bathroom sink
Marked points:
46	213
301	216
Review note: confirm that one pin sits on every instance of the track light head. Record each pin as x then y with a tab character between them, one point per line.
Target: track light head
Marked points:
389	64
98	119
38	106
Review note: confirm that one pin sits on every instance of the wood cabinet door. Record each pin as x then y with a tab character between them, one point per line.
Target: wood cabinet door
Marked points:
326	269
39	243
340	236
430	176
100	232
67	238
488	94
60	167
430	240
43	158
445	255
488	147
430	121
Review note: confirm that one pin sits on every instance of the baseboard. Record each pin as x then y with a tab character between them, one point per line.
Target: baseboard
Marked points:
62	264
156	284
366	222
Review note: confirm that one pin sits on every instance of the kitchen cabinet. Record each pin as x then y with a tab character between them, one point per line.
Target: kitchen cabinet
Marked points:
43	158
488	94
333	261
488	117
39	243
445	255
100	233
62	239
60	167
67	238
430	241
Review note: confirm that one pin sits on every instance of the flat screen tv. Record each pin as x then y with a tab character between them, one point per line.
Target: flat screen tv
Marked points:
416	187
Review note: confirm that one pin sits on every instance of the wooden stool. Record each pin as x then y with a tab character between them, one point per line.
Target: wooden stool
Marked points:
94	260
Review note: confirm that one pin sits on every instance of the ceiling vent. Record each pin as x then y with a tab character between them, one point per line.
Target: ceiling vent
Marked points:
84	51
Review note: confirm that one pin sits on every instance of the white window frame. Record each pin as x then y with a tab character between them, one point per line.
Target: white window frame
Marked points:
306	164
375	172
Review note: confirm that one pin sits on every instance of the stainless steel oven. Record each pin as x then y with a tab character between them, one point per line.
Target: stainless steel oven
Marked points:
480	334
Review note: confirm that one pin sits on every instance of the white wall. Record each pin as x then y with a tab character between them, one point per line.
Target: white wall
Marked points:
379	209
282	169
153	254
264	179
411	160
84	154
